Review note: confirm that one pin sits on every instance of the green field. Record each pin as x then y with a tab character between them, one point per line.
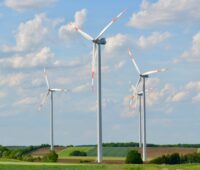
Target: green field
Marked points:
56	166
66	152
92	151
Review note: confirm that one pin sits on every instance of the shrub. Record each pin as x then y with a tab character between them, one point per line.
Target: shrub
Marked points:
160	160
133	157
191	158
52	156
174	159
78	153
27	158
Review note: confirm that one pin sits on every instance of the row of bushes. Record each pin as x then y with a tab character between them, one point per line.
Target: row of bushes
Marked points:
133	157
78	153
23	154
175	158
133	144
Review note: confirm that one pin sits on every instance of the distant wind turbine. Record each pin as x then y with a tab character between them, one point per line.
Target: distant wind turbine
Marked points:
50	91
138	95
97	42
143	77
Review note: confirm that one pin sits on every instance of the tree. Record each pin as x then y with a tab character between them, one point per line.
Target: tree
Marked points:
174	159
52	156
133	157
78	153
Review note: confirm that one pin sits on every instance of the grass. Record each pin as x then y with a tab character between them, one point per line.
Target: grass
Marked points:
58	166
92	151
66	152
111	151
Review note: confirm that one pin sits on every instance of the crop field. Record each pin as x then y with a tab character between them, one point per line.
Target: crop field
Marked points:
121	152
45	150
66	152
57	166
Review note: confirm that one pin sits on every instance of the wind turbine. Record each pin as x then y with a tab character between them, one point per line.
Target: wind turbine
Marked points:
50	91
138	96
97	42
143	77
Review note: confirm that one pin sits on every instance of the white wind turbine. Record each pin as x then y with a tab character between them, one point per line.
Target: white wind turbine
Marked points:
143	77
50	91
138	95
97	42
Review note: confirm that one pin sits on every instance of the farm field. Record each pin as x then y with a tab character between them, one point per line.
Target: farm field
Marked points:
45	150
58	166
121	152
112	155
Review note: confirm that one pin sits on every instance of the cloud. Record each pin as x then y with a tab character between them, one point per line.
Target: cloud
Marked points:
196	98
116	43
27	4
164	12
26	101
12	79
67	32
152	40
189	91
128	111
39	58
63	80
193	54
2	94
81	88
193	85
32	34
179	96
120	65
154	96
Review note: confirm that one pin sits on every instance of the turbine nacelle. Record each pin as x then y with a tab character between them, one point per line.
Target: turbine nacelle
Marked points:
144	76
101	41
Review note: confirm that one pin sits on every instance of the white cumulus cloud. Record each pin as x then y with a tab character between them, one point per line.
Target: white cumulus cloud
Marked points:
67	32
179	96
26	101
152	40
27	4
116	43
12	80
39	58
193	54
163	12
32	34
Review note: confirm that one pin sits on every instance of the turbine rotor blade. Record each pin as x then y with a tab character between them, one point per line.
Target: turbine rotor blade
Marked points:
138	83
110	23
84	34
154	71
133	60
44	100
60	90
46	78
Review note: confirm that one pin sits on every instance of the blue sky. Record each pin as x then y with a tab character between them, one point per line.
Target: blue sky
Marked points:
37	33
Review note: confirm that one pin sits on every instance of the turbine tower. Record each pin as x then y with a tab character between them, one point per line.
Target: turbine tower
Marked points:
138	96
50	91
143	77
97	42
